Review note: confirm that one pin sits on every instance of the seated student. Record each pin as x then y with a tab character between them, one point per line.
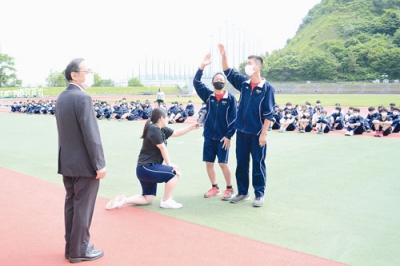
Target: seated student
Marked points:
315	118
147	110
124	112
190	108
383	124
372	115
23	107
396	120
136	112
276	122
309	107
297	111
318	105
116	110
15	108
348	114
355	125
288	122
37	108
52	108
173	110
288	106
337	119
322	124
29	108
44	110
108	111
391	108
99	111
305	121
180	117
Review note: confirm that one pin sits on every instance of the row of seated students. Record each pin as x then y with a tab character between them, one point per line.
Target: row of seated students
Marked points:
135	110
382	121
33	107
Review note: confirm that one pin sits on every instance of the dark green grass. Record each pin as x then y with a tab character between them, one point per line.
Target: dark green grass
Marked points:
330	196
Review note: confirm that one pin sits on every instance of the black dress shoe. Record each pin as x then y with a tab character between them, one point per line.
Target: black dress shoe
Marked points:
89	247
90	255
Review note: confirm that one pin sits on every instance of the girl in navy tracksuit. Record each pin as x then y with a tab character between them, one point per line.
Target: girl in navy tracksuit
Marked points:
221	107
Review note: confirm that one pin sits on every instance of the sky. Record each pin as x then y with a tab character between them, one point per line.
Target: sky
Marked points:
119	37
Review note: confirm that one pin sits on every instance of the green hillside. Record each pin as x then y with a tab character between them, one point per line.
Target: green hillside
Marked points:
342	40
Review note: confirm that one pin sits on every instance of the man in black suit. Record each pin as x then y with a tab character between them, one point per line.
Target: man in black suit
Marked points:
80	160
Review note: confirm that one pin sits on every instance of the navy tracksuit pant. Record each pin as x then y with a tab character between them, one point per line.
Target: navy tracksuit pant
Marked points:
246	145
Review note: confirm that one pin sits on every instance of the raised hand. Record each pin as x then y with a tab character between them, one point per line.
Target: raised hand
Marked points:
221	48
206	61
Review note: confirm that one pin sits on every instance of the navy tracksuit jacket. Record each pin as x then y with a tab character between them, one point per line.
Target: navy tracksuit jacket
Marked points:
220	117
254	107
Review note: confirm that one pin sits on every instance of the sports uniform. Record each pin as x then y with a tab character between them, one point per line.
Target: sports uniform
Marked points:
218	122
150	169
255	105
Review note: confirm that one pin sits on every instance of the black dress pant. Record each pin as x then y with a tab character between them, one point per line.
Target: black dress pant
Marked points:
80	199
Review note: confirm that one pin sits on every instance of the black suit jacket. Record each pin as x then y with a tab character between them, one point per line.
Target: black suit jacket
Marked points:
80	151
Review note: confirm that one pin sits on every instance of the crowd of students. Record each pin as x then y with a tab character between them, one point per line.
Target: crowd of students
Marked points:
303	118
135	110
121	110
33	107
383	121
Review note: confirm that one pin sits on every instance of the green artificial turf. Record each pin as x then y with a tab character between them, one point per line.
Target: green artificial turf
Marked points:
328	195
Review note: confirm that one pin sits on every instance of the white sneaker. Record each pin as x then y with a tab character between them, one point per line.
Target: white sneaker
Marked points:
349	133
116	203
170	204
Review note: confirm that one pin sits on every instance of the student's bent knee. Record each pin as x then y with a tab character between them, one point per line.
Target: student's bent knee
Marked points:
149	198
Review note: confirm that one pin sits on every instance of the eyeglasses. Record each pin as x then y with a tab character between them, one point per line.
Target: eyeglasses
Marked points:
85	71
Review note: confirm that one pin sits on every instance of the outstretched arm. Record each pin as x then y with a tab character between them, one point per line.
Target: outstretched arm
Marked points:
183	131
222	51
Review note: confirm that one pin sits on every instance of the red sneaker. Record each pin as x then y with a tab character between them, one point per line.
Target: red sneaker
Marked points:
228	194
212	192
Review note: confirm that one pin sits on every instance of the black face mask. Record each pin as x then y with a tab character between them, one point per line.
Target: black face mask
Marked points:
219	85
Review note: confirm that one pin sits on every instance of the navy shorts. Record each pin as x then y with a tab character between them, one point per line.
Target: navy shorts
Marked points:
152	174
213	148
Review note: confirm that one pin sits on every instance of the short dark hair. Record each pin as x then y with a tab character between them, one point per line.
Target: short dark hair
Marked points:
356	109
371	108
218	73
73	66
257	59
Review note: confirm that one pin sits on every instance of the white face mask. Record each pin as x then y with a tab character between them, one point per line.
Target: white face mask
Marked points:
355	114
89	80
395	113
249	70
384	114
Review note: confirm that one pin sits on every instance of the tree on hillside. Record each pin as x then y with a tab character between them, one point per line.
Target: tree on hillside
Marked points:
8	76
319	65
56	79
